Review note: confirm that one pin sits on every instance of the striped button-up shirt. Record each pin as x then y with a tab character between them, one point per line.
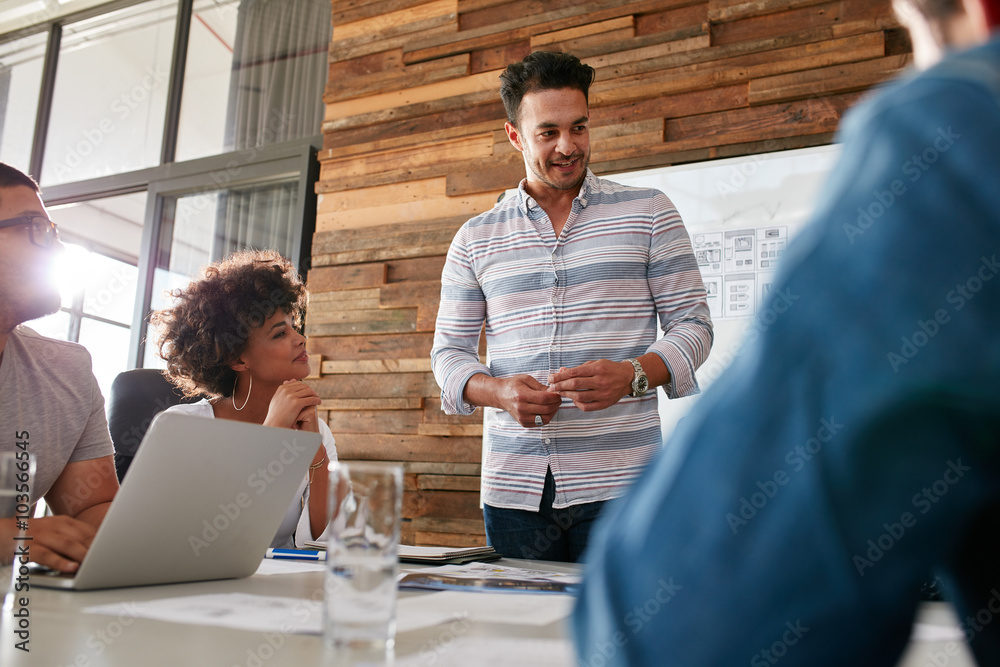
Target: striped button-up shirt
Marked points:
623	261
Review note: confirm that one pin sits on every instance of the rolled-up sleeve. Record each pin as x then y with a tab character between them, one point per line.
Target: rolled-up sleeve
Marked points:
455	354
677	288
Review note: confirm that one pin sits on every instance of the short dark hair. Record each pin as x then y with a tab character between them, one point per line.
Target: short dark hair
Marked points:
542	70
12	176
209	325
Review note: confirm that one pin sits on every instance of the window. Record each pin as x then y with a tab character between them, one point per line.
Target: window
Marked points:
21	64
199	227
110	97
247	83
165	134
96	311
98	280
206	79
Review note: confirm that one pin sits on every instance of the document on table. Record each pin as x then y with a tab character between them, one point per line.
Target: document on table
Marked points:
257	613
493	652
491	608
242	611
274	566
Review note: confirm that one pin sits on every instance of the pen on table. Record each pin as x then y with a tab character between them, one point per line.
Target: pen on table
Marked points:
295	554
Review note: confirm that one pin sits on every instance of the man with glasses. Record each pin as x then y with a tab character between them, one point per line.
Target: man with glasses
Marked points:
50	404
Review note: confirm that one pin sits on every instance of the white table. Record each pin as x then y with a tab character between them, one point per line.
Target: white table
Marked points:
63	635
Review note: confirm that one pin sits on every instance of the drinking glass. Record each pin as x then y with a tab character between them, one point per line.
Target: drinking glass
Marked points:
363	537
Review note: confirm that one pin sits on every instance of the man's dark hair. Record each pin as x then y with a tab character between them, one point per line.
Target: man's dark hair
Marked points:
542	70
11	176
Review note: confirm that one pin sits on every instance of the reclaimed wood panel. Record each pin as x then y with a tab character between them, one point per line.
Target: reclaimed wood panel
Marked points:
343	87
503	32
413	146
474	83
385	23
391	447
421	209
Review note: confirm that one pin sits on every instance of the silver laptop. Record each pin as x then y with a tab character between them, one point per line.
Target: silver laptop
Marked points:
202	500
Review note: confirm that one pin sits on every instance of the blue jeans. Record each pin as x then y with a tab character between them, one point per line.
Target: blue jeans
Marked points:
548	534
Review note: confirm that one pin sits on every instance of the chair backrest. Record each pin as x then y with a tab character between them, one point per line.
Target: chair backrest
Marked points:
136	397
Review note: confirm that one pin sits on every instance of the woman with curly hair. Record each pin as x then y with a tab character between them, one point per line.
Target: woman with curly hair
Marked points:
232	336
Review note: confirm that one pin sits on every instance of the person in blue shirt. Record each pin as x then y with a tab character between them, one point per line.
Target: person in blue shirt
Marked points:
854	445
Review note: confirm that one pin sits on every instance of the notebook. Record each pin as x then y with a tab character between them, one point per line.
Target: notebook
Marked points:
202	500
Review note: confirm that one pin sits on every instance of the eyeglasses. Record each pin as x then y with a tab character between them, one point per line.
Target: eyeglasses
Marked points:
41	230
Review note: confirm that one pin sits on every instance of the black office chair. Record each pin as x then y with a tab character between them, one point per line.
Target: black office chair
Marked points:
136	397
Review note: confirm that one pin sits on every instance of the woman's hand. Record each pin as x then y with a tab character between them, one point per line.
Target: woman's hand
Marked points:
307	420
293	406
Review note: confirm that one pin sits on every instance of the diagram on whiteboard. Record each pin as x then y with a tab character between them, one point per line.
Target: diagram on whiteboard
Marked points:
737	267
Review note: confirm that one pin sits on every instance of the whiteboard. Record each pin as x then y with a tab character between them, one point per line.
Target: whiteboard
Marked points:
740	213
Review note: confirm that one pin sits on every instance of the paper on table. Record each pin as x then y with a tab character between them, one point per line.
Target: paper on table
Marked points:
279	566
491	608
493	652
258	613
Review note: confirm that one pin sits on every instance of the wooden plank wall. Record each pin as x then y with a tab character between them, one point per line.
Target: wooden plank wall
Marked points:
414	146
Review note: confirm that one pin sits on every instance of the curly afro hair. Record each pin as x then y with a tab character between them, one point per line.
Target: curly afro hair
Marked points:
209	325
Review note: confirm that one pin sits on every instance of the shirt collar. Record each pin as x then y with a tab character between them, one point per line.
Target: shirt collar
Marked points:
527	203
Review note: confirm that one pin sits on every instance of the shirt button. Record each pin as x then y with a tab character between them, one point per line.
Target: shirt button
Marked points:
548	441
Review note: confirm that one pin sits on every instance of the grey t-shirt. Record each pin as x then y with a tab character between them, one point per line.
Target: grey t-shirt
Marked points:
49	397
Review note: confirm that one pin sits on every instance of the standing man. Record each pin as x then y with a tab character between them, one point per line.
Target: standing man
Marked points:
570	276
855	444
50	404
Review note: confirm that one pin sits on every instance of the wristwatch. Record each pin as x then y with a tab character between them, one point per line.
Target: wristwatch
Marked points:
640	383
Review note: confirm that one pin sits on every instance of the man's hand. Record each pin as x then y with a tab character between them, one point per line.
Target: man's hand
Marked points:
288	407
523	398
594	385
79	498
58	542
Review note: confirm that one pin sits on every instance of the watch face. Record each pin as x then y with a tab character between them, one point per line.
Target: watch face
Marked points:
641	385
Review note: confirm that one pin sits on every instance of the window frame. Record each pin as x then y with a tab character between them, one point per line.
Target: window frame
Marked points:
268	163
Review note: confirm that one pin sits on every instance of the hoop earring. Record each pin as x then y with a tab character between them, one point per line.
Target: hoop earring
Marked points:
249	389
